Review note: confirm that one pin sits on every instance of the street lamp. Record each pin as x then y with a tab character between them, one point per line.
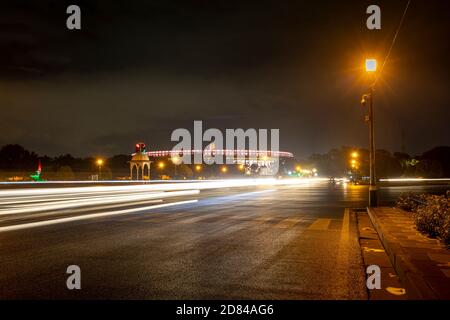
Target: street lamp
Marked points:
99	164
371	67
176	160
224	169
161	165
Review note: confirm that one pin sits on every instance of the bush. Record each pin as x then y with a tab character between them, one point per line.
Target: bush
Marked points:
431	214
65	173
410	202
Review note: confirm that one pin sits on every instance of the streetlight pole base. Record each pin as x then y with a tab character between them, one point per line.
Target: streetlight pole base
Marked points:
373	196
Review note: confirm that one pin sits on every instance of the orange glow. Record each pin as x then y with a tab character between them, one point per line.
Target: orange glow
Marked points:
176	160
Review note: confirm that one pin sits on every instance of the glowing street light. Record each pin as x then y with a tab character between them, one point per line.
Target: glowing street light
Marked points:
355	154
224	169
198	168
298	168
99	164
161	165
371	65
176	160
241	167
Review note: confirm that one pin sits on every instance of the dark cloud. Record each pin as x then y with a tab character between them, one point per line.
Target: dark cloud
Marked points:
139	69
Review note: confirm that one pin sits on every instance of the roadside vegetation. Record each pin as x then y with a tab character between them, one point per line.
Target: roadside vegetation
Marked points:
431	213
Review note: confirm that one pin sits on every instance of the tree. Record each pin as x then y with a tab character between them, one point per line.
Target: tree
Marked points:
65	173
14	156
440	155
183	171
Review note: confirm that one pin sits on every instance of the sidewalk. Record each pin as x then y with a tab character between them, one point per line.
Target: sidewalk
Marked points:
423	264
373	253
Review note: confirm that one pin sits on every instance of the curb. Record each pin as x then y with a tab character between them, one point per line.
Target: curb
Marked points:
415	286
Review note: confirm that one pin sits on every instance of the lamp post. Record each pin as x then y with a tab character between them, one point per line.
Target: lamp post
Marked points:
371	67
198	169
176	160
100	164
354	165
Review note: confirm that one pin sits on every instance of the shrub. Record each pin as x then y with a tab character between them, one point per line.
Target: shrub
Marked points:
431	214
409	201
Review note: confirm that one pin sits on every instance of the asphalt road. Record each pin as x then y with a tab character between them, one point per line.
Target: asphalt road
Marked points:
249	242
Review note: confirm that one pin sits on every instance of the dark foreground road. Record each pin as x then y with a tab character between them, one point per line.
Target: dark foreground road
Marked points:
282	242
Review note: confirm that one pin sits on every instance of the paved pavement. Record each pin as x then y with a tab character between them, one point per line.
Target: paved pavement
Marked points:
374	254
423	264
271	242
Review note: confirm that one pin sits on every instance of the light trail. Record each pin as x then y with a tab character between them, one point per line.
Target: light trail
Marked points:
414	179
88	182
92	202
200	185
32	200
84	201
91	216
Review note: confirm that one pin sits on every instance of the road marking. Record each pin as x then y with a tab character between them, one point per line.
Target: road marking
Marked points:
367	249
396	291
90	216
343	254
320	224
346	223
287	223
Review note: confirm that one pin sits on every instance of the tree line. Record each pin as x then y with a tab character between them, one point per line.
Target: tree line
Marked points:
435	163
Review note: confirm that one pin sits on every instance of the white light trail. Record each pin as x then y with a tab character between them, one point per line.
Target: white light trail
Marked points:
91	202
90	216
414	179
200	185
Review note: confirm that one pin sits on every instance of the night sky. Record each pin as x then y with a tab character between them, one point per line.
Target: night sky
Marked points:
140	69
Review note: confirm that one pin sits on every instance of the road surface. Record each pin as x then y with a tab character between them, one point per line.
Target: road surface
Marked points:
238	242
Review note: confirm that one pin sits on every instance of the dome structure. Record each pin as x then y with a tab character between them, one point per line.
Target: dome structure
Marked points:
140	157
140	163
